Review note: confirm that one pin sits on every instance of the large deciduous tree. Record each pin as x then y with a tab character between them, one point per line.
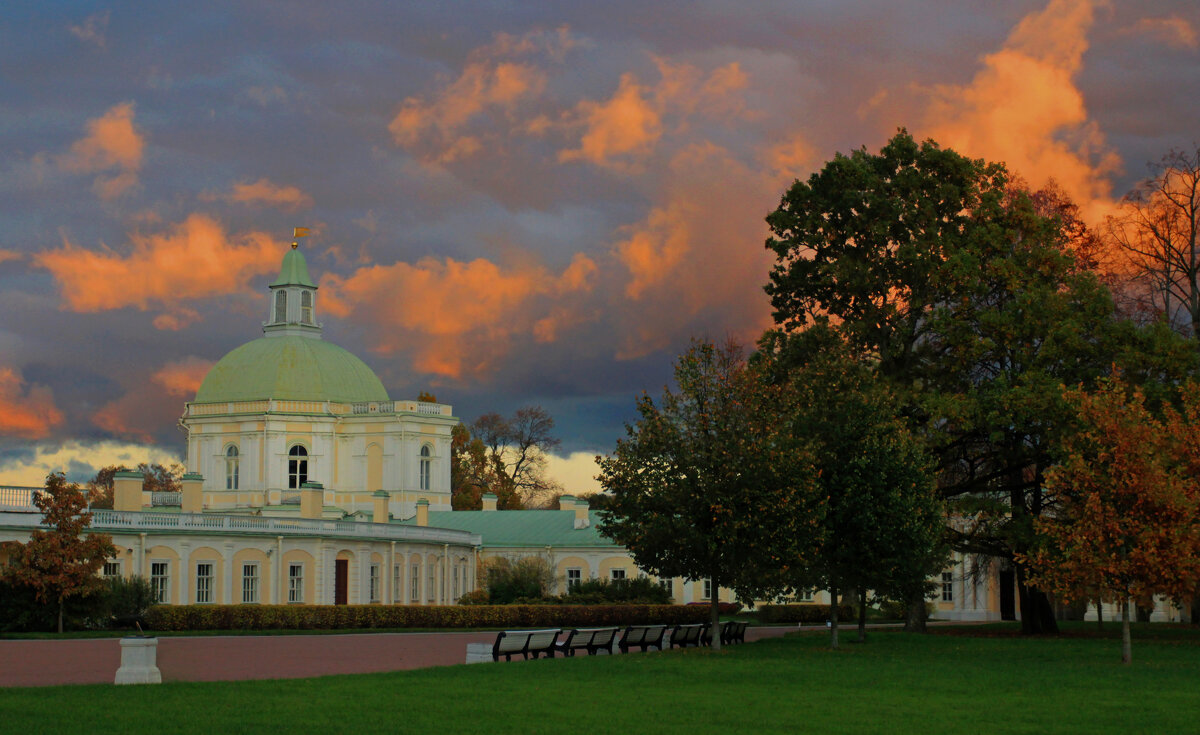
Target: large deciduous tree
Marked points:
967	295
1158	227
884	522
707	485
1127	521
62	561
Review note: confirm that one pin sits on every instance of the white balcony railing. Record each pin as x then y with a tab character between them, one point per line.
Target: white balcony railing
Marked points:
17	497
116	521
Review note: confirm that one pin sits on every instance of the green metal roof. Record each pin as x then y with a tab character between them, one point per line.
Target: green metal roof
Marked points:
290	368
294	271
513	528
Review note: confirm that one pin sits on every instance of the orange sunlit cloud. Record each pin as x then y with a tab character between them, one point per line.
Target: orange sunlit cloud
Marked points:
183	378
25	413
194	259
700	247
265	191
438	127
1174	31
1024	108
466	313
7	255
631	122
113	148
625	124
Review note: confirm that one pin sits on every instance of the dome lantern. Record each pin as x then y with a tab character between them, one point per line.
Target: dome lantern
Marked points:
292	308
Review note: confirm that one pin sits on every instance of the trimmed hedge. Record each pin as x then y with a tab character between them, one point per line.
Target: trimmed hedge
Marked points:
332	617
768	614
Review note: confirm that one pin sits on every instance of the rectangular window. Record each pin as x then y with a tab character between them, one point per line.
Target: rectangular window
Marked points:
708	589
249	583
415	584
947	586
160	581
112	569
431	583
618	574
574	578
295	583
204	582
374	583
666	585
455	595
397	582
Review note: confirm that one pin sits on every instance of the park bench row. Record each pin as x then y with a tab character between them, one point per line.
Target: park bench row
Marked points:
535	643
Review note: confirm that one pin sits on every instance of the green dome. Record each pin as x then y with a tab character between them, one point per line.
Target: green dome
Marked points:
290	368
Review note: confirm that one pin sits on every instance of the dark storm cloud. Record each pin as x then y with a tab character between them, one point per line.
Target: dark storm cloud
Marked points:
554	197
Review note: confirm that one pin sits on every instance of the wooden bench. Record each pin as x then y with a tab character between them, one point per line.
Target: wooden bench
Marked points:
525	642
642	636
733	631
695	634
592	640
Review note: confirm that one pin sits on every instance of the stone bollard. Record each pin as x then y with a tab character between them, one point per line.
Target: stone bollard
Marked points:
139	662
478	653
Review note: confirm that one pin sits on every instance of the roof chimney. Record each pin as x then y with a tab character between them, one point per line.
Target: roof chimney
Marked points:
489	501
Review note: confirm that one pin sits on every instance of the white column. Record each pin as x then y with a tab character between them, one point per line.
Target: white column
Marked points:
185	573
227	597
364	574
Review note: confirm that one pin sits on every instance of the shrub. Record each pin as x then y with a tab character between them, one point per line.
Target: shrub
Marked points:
638	589
506	580
332	617
723	608
126	600
803	613
20	612
898	609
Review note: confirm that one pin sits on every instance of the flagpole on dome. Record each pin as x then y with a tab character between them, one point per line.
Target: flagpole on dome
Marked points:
297	233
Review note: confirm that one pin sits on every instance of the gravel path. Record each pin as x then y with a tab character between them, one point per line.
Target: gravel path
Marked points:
231	658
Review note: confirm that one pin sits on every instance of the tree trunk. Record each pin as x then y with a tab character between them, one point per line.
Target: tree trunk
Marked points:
1126	646
60	616
862	615
915	619
833	617
1100	613
1037	616
715	618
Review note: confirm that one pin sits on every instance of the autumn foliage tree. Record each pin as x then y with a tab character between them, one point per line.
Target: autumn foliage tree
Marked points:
506	456
156	478
706	485
61	562
1127	520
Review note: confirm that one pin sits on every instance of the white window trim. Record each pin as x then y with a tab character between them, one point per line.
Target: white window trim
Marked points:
295	583
210	592
250	583
163	594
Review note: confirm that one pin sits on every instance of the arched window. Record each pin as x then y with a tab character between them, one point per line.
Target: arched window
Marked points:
231	467
280	306
306	307
426	466
297	466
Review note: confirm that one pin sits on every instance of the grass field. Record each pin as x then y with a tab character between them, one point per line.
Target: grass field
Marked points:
896	682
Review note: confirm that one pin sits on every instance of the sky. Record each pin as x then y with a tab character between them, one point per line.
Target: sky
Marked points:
511	203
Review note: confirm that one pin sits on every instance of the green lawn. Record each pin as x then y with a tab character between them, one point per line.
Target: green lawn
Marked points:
945	682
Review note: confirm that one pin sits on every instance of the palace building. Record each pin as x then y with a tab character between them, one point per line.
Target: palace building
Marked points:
307	483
